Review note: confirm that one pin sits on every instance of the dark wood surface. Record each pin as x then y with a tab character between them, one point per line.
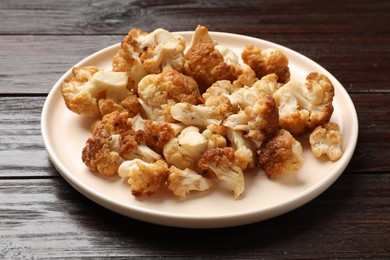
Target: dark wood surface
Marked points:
42	216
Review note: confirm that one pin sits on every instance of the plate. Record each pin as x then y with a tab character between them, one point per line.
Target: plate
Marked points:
65	133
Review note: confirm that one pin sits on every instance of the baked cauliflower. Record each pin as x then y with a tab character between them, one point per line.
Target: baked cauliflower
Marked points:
280	154
101	153
244	149
113	140
326	139
213	111
182	182
185	150
143	53
205	63
159	91
257	121
92	92
215	136
222	163
144	178
267	61
304	107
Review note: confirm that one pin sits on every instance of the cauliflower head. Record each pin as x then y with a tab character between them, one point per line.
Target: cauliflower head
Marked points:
92	92
304	107
166	88
144	178
257	121
267	61
222	163
143	53
182	182
280	154
326	139
185	150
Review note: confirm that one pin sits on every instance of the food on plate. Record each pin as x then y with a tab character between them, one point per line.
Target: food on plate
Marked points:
326	139
143	53
302	107
182	119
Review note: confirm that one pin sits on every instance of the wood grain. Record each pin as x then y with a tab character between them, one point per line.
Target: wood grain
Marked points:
48	218
115	17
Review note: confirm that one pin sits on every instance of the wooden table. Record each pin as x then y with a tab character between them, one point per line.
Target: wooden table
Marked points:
42	216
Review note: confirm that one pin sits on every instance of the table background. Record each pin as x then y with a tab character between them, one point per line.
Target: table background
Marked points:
41	215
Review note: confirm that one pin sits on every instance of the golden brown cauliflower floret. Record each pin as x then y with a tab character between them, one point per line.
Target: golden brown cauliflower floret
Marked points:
280	154
158	134
185	150
304	107
267	61
206	65
144	53
94	93
222	163
257	121
215	136
166	88
326	139
182	182
101	153
245	152
130	104
144	178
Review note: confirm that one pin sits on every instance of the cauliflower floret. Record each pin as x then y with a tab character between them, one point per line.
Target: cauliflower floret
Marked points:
222	162
215	136
185	150
223	88
326	139
182	182
213	111
267	61
247	77
206	65
88	86
144	53
244	149
304	107
201	34
144	178
158	134
101	153
280	154
167	88
257	121
130	104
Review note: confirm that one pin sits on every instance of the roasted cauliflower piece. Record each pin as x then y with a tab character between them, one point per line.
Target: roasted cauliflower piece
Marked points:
144	178
280	154
223	88
207	65
215	109
304	107
245	152
143	53
326	139
93	92
222	163
257	121
267	61
159	91
182	182
101	153
215	136
158	134
185	150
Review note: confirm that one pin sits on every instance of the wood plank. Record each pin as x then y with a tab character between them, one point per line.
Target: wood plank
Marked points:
32	64
23	154
114	17
47	218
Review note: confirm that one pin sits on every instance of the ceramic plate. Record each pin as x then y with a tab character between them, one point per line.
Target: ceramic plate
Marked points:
65	133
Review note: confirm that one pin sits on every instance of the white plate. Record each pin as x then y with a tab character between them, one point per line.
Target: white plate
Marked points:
64	134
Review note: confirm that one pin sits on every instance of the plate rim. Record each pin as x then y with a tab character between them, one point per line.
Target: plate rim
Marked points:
186	221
